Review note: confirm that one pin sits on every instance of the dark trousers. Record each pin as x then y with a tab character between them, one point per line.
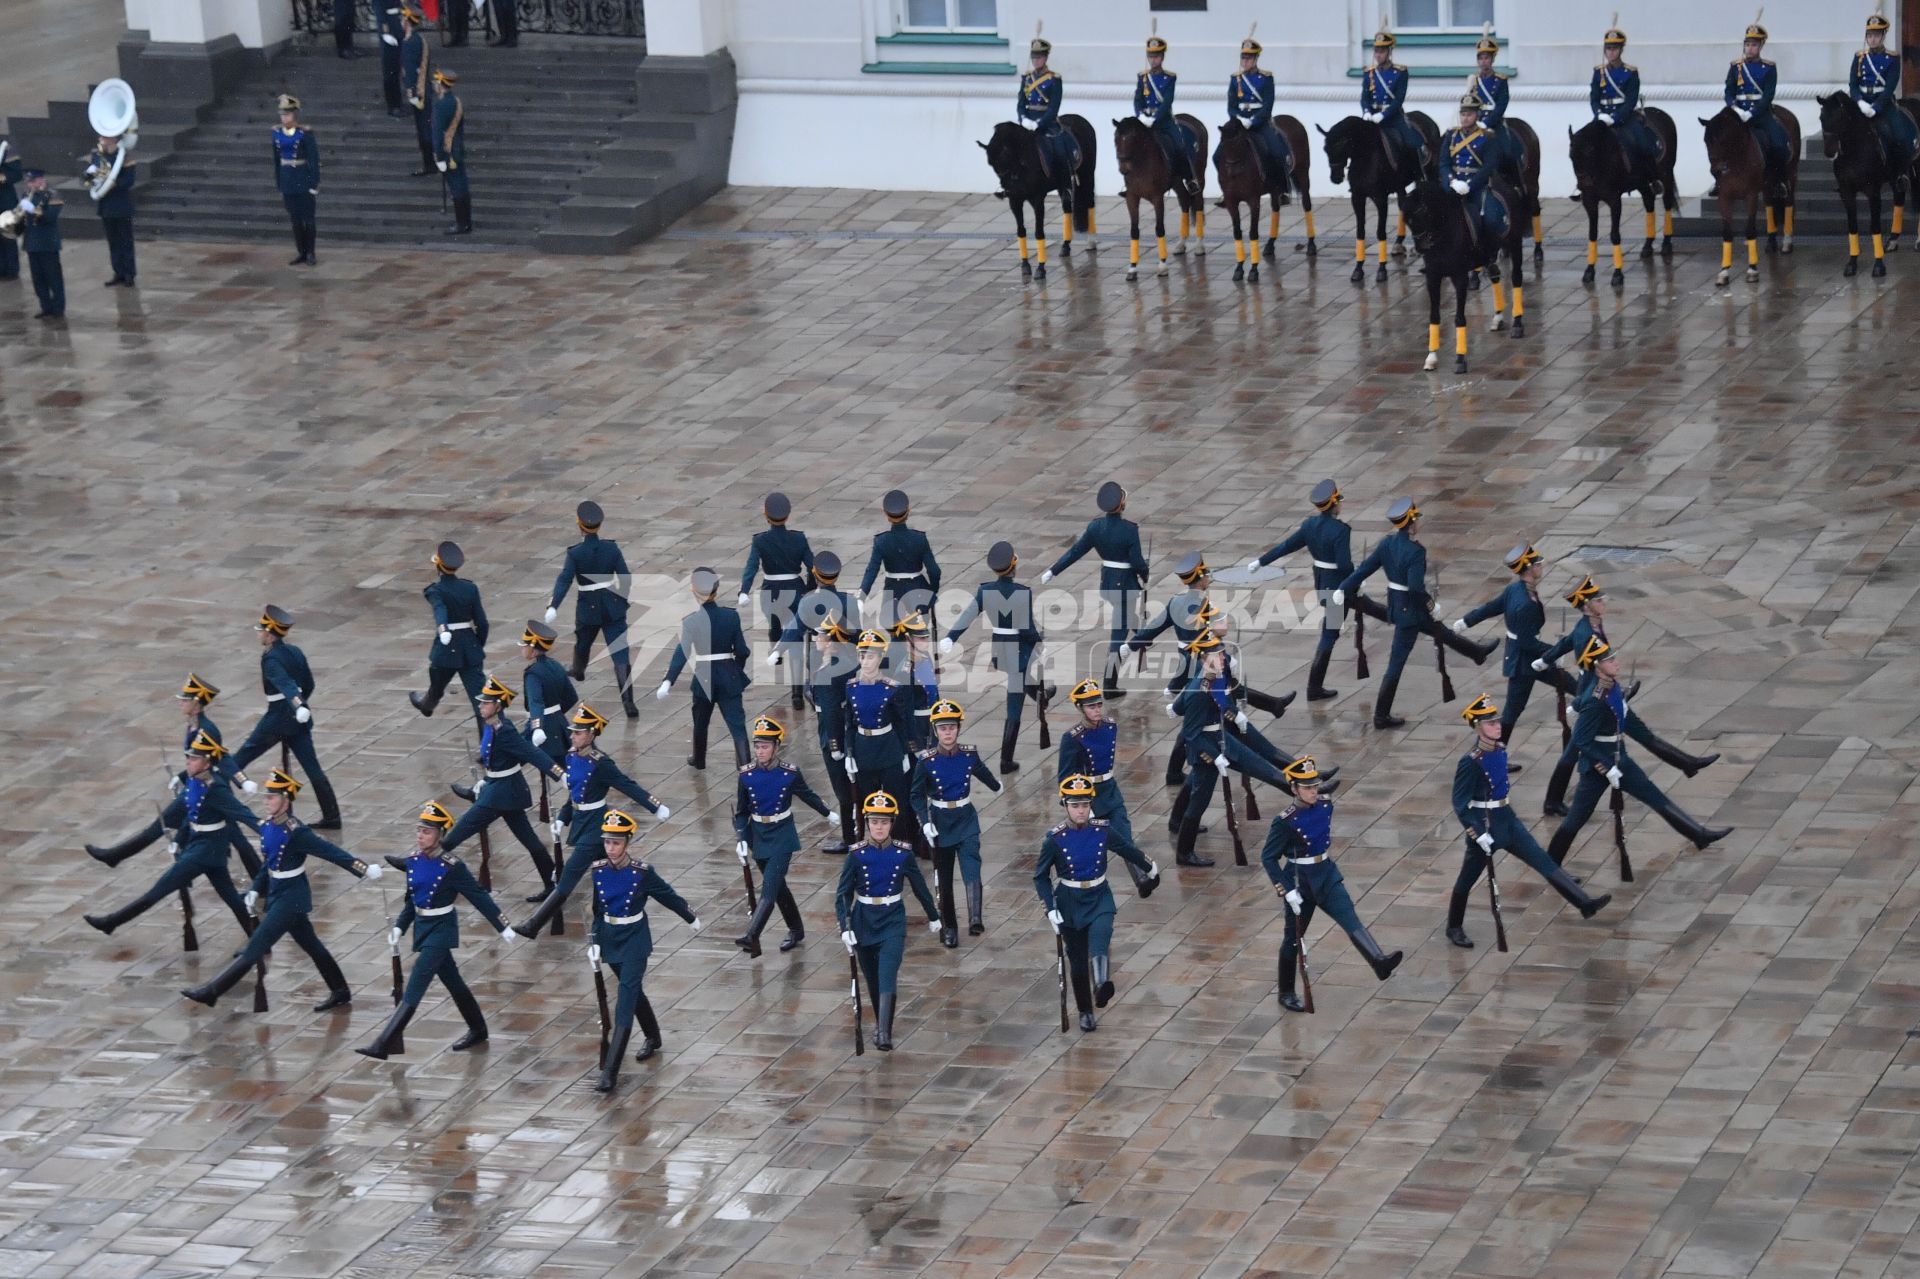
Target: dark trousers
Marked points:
285	922
455	14
773	883
181	875
343	26
438	962
1510	836
9	258
438	677
732	715
263	739
423	134
480	816
390	76
49	282
1593	785
1079	973
119	233
506	20
630	1003
301	210
1331	896
1520	692
1124	604
880	961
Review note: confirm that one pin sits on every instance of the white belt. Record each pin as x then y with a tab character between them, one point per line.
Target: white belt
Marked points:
1099	777
874	732
923	711
295	873
1486	803
1006	630
551	710
626	919
588	808
276	697
429	912
1116	564
778	577
206	828
607	585
1613	738
713	657
769	820
879	901
1512	636
503	772
457	626
1083	883
964	801
902	576
1308	861
1395	586
1323	564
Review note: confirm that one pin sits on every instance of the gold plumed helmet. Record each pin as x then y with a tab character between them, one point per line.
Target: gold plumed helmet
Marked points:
1470	101
1481	707
197	689
1087	690
435	814
1155	44
1583	594
1487	43
1250	47
768	729
203	744
1615	37
833	630
618	824
872	640
1878	20
494	691
1596	649
1037	45
1754	30
584	716
283	782
1383	38
946	711
1301	771
880	804
1076	786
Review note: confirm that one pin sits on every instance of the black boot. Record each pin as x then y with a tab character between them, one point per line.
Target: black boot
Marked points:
623	676
698	759
1183	854
1102	982
462	218
1383	964
543	914
974	926
114	854
112	920
312	233
1176	774
1317	690
795	935
338	997
424	705
299	246
463	790
749	941
610	1065
1009	739
649	1029
1268	704
1087	1022
1289	967
1588	906
1556	802
476	1022
209	993
1383	716
389	1042
1702	836
1457	918
578	670
883	1023
1671	755
1468	646
1560	845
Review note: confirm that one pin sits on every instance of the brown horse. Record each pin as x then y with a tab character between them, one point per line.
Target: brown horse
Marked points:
1243	182
1146	174
1526	181
1733	155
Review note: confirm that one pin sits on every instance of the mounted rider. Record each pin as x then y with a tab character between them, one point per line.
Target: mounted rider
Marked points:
1490	88
1250	101
1751	81
1874	85
1614	96
1466	166
1153	106
1038	108
1383	100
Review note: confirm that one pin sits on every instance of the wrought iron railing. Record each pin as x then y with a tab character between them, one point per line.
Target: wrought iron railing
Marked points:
623	18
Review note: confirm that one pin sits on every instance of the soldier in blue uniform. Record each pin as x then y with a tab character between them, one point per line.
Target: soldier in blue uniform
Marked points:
871	912
460	631
296	170
1089	749
623	939
782	559
763	830
1038	108
450	147
1080	905
40	241
1328	541
1490	89
1250	99
1153	91
1873	82
416	82
1481	792
1182	613
502	794
1751	81
1519	605
597	567
591	774
12	172
1299	863
547	691
115	209
1007	606
821	632
1409	604
1600	736
1123	571
912	657
285	845
287	681
943	800
711	639
392	31
436	880
905	558
873	726
1383	100
1217	735
1468	155
1614	97
198	818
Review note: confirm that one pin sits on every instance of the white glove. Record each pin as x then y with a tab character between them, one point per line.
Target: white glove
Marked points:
1539	664
539	735
389	38
92	169
773	658
832	819
250	786
838	755
556	828
1485	840
661	813
393	937
175	785
694	925
660	694
446	636
440	165
1171	711
1153	870
1029	124
852	767
249	900
1253	565
507	934
1745	115
933	925
1246	121
848	940
1046	577
414	103
1240	718
1053	917
313	190
550	614
1457	187
1126	649
302	715
1295	900
1604	118
593	954
374	871
1613	778
1220	764
742	601
740	850
1338	599
1460	625
1867	108
173	847
906	762
946	645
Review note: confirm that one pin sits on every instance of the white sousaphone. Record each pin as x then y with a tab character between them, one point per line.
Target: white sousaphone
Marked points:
111	113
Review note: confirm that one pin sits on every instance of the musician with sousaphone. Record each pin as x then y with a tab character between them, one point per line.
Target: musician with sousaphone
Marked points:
109	174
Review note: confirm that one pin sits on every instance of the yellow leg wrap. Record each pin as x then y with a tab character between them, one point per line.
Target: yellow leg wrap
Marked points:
1649	224
1239	250
1273	224
1066	229
1537	237
1726	255
1200	224
1460	341
1359	250
1879	246
1162	241
1896	221
1133	255
1853	244
1400	228
1753	253
1383	253
1899	216
1519	302
1023	248
1773	227
1186	224
1089	221
1433	338
1040	245
1618	260
1593	252
1667	223
1253	247
1499	296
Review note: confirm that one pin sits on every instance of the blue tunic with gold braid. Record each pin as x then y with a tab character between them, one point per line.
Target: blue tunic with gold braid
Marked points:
1038	104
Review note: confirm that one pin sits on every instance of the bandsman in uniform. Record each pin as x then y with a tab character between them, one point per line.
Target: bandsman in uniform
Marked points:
436	880
1298	859
1123	571
1520	607
1491	90
1153	91
1328	541
1038	108
1614	96
460	631
116	210
502	794
1250	97
392	32
1217	735
287	681
416	82
783	561
869	905
548	693
296	168
1873	82
285	845
623	939
11	174
943	799
1383	99
598	568
1181	612
1079	904
1748	93
711	640
874	741
40	241
904	557
1089	749
822	633
763	830
1007	606
450	146
912	656
1481	791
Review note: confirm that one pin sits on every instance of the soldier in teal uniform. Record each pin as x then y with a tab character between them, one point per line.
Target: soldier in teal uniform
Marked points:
912	657
450	148
942	790
871	912
502	794
416	83
1481	792
712	642
782	559
115	208
1490	89
285	845
1007	607
821	633
763	830
460	631
1298	859
40	241
1468	155
623	939
392	31
1038	108
1070	878
1873	82
1123	570
905	558
1180	612
1520	607
436	880
1250	97
1089	749
1217	735
1383	100
287	681
874	733
545	688
1328	541
12	172
1614	97
296	172
597	568
1751	81
1153	91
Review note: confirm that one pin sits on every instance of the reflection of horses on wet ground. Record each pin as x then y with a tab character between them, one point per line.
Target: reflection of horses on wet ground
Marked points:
1243	182
1147	174
1451	250
1602	174
1740	169
1358	155
1014	155
1860	168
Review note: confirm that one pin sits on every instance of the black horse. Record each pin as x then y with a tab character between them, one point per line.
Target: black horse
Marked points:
1243	182
1450	249
1602	175
1014	155
1860	167
1525	179
1358	154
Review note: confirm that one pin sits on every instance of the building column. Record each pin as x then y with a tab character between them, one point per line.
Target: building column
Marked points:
256	24
686	28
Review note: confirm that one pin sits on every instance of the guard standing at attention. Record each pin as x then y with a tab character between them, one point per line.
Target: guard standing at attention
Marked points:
417	83
1007	606
450	147
783	560
1123	571
869	905
287	681
943	800
1080	905
763	830
622	937
905	558
296	169
392	32
460	631
596	566
711	639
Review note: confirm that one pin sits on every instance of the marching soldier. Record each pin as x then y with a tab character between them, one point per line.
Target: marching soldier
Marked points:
623	939
1383	99
460	631
1328	541
943	800
11	173
198	818
1217	735
1614	97
596	565
1748	93
1491	91
820	632
1873	82
872	915
1480	801
1182	613
436	880
1080	905
1038	108
1123	571
1088	750
783	559
502	794
1600	736
591	774
873	725
1008	608
285	846
1250	99
41	243
763	829
450	146
287	681
1519	604
905	558
710	638
1298	861
115	208
417	84
548	692
296	168
922	684
1153	91
392	31
1409	606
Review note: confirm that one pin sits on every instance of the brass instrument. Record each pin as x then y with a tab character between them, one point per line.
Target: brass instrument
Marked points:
111	113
